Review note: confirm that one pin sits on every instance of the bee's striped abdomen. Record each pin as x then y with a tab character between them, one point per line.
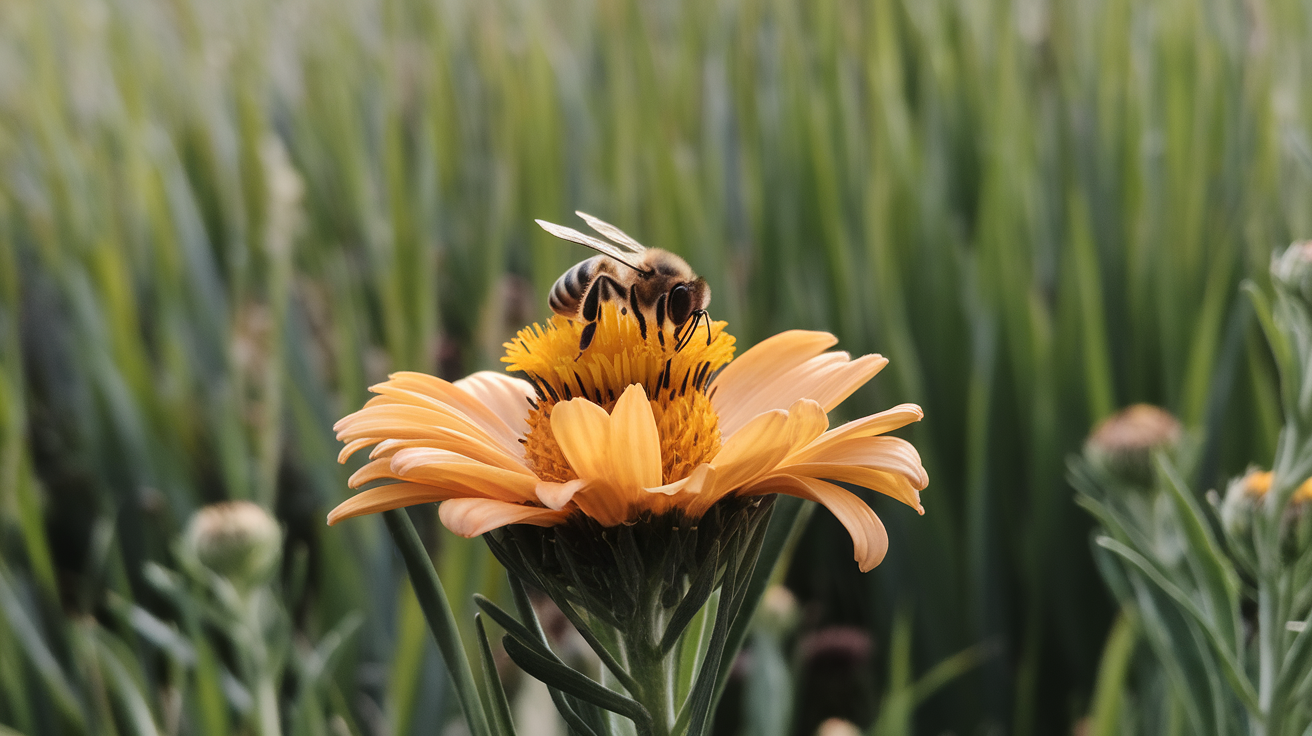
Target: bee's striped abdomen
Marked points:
571	286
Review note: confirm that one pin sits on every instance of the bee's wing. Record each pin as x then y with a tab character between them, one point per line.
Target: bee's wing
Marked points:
607	249
612	232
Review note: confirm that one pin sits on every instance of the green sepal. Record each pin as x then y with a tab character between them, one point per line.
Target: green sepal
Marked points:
700	590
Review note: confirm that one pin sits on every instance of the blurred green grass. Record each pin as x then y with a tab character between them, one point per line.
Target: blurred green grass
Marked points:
219	222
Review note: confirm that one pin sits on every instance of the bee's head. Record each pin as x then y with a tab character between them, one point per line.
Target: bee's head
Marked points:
686	298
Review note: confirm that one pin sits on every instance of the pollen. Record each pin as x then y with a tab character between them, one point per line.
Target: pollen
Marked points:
619	356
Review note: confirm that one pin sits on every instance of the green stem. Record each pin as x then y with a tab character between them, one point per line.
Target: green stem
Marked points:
266	704
441	621
654	678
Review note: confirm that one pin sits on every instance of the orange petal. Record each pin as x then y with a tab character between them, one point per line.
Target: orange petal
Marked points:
453	441
605	503
827	379
760	446
892	454
893	485
635	445
888	465
429	390
752	451
869	539
885	421
353	447
511	399
582	431
409	422
450	469
470	517
693	495
558	495
385	498
742	379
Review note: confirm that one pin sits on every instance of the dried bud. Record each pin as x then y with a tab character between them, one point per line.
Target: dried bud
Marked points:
835	676
1123	444
237	540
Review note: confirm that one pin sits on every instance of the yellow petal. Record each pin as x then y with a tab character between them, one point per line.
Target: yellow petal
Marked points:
807	421
834	386
385	498
869	539
635	445
582	431
470	517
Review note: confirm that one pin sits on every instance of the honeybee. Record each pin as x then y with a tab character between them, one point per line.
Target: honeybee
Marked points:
656	285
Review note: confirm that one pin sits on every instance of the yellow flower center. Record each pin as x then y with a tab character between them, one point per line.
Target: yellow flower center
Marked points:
619	356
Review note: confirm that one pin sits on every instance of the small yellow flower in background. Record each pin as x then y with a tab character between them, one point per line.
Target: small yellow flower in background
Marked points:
631	428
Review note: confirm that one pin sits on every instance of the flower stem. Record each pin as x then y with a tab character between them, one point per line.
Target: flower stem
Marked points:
441	621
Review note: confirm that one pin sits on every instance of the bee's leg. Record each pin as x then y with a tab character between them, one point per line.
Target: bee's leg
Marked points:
589	331
660	319
592	302
637	312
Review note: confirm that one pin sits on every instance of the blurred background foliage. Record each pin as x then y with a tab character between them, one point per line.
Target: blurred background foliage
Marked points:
221	221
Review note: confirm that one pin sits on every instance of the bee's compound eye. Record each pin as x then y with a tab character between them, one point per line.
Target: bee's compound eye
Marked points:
680	304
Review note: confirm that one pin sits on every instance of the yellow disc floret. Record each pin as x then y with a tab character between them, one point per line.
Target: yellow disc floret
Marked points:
619	356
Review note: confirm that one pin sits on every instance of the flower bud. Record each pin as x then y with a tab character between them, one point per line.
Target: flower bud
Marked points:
838	727
1244	499
1123	444
1292	271
778	612
237	540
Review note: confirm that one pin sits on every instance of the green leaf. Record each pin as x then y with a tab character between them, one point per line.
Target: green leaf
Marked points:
501	721
1113	671
1233	670
555	674
47	666
1219	578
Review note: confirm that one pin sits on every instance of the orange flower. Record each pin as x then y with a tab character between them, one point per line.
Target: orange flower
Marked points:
632	428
